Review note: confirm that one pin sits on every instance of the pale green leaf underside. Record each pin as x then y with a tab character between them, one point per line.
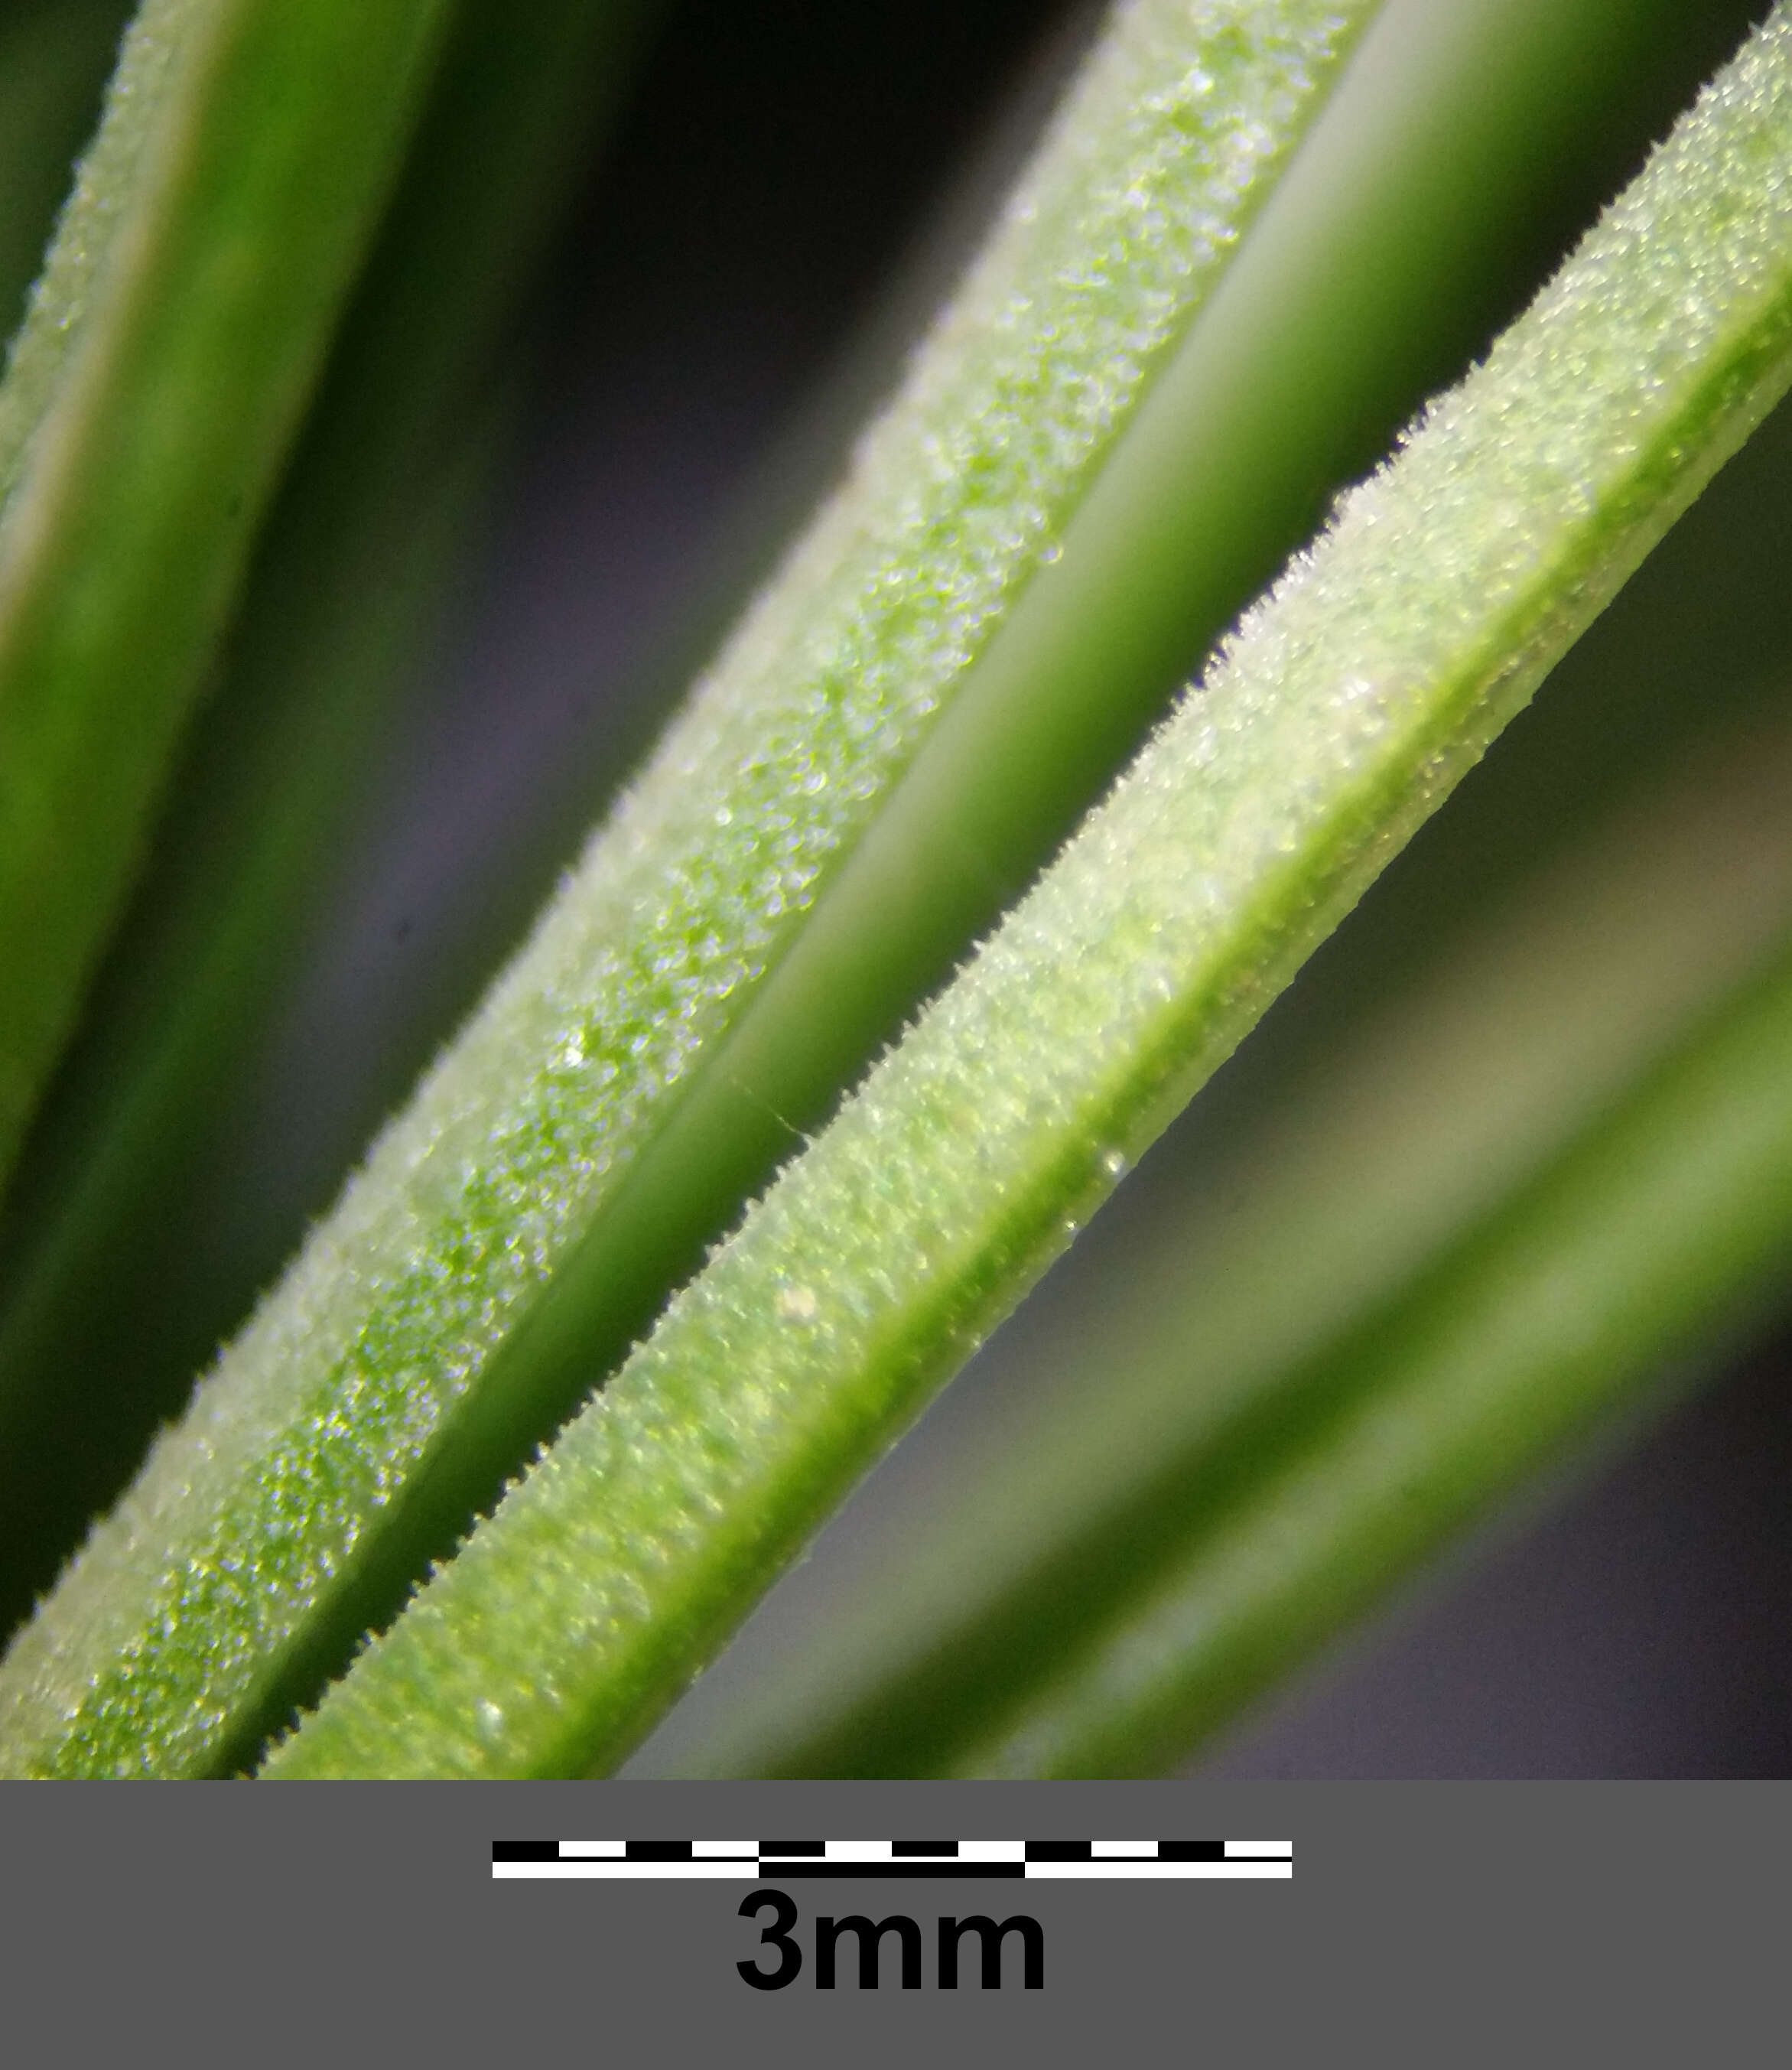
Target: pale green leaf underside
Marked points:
1343	710
163	1636
1664	1218
1300	1228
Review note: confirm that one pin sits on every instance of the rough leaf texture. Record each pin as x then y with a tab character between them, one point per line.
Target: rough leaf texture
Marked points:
182	1609
1342	713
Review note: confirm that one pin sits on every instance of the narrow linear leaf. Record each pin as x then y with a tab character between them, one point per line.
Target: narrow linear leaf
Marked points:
1659	1224
1197	499
1344	710
1218	1343
360	547
239	1571
56	57
146	408
1336	317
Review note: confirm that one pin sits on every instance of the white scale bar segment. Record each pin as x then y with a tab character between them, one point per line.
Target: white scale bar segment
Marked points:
599	1869
1111	1869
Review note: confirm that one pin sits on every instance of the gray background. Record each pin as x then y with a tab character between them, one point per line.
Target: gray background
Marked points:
1467	1924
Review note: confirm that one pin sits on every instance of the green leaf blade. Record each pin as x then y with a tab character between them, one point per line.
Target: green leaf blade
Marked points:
1271	1287
282	1487
1343	712
360	549
147	405
55	57
1659	1224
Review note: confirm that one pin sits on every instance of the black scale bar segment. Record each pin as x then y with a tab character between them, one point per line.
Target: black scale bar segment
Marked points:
525	1851
1060	1851
792	1847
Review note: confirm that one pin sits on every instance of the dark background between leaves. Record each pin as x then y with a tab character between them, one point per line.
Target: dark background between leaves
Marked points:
719	318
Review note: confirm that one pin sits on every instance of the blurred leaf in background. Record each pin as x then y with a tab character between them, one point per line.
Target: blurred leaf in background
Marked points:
706	294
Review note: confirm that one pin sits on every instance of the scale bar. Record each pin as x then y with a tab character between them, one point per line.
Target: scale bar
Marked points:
1246	1861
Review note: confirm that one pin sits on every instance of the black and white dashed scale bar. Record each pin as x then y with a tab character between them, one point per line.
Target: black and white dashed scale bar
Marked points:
772	1861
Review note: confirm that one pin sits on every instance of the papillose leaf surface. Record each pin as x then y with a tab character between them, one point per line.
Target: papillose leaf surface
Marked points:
356	553
1311	337
1658	1222
1343	712
1262	1309
230	1575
